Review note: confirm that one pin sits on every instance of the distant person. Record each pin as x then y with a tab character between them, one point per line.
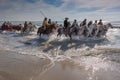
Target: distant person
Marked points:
75	23
45	23
100	22
95	23
66	23
49	21
90	23
30	24
25	25
84	22
9	24
4	24
95	28
75	26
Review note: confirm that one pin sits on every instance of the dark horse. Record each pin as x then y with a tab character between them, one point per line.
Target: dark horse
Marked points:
17	27
47	31
6	28
60	31
11	27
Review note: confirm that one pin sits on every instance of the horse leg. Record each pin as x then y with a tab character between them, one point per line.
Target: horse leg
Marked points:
76	32
96	33
40	34
70	35
105	34
21	30
87	33
59	34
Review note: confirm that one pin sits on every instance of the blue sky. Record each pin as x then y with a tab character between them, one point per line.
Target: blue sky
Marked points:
30	10
55	3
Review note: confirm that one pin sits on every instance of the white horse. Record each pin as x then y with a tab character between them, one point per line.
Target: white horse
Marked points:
105	29
101	30
30	28
81	30
94	30
90	30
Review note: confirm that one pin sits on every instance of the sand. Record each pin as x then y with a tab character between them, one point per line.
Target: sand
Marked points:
14	66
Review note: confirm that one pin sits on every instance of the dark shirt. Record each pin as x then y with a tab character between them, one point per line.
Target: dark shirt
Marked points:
49	22
25	25
89	23
100	23
84	23
65	23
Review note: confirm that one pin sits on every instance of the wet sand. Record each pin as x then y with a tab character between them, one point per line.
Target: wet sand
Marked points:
14	66
65	70
69	70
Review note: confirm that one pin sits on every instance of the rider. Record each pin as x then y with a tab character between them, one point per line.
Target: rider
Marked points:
75	26
25	25
95	25
4	25
66	25
45	23
9	24
49	21
95	22
75	23
30	25
89	28
100	22
89	23
84	22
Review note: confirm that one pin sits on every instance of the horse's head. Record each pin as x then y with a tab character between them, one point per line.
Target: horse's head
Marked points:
109	25
53	26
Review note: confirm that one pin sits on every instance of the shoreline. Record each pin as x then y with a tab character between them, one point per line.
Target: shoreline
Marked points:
14	66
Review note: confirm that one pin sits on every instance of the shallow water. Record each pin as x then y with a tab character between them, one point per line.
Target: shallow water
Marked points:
73	60
91	68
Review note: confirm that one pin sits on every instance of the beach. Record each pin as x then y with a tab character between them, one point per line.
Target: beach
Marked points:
59	39
29	57
14	66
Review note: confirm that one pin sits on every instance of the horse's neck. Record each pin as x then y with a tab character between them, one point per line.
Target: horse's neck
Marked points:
107	25
52	26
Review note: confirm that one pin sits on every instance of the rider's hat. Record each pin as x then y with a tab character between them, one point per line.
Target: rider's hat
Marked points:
100	19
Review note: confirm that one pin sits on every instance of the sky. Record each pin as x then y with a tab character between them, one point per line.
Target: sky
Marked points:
57	10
